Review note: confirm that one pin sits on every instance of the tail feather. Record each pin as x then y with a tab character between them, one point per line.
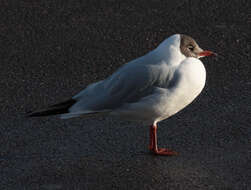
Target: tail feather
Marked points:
60	108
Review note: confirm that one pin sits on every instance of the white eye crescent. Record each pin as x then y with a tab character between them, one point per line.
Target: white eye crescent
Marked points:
190	47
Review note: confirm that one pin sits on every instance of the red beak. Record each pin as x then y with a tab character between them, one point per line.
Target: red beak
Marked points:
206	53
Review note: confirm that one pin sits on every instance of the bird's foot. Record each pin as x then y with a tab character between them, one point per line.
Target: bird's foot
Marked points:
165	152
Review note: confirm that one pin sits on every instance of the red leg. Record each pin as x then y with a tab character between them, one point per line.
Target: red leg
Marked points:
153	144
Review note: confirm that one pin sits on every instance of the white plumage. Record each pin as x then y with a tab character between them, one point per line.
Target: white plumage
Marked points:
150	88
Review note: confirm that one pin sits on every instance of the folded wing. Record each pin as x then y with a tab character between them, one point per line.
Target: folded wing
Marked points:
130	83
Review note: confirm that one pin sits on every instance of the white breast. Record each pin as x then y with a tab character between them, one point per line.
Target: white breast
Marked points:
191	77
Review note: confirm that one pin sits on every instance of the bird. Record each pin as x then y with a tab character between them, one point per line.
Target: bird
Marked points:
150	88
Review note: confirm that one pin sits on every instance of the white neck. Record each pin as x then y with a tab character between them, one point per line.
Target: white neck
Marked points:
169	50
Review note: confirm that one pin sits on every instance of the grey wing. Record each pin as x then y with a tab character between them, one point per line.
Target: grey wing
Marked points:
129	84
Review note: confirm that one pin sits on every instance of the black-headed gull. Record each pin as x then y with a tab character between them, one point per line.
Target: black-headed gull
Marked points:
150	88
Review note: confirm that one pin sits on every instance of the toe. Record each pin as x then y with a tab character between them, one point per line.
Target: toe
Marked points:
167	152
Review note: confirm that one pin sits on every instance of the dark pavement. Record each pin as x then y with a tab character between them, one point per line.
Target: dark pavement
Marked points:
51	50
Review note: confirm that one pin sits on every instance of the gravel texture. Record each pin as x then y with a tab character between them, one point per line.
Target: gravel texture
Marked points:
50	50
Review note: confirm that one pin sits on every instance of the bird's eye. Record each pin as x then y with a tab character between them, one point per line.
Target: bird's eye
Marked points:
191	48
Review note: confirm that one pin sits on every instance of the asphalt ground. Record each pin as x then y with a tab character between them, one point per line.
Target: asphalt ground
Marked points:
50	50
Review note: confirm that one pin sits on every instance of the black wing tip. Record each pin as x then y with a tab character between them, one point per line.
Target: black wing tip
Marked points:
66	104
55	109
48	112
28	114
37	114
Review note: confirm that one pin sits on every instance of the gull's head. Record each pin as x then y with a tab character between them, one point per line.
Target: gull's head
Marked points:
190	48
179	47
